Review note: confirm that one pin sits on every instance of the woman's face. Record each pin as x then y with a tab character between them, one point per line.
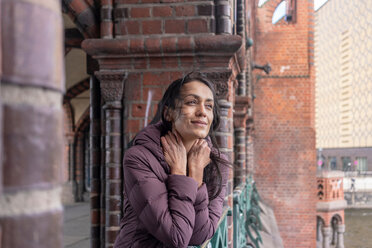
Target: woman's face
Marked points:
193	115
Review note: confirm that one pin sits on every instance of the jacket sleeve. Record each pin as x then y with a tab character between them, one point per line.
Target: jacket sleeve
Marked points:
165	208
208	213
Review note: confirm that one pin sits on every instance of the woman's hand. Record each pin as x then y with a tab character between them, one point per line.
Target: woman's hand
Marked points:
174	152
197	159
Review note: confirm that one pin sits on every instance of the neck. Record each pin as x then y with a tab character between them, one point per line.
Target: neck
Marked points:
188	144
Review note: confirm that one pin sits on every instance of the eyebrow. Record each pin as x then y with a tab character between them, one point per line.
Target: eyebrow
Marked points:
196	96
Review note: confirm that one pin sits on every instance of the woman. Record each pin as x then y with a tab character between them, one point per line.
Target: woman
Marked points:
174	178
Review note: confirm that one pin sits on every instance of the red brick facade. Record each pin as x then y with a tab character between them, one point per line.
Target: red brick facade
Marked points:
284	137
140	47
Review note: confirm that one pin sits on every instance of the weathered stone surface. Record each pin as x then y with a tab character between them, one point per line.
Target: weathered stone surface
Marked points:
33	146
39	230
1	150
32	59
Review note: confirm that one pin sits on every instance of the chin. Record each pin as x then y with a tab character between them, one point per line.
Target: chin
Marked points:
201	135
194	136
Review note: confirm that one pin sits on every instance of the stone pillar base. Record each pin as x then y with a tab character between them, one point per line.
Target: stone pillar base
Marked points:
67	195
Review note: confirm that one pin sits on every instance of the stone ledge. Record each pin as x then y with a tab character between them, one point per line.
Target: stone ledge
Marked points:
163	46
329	174
331	206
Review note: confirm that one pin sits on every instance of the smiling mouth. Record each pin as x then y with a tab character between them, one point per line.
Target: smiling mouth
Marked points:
201	123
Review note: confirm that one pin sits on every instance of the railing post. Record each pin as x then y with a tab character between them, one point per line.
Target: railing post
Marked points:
239	215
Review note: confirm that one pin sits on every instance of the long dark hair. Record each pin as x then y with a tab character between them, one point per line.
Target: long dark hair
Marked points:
212	172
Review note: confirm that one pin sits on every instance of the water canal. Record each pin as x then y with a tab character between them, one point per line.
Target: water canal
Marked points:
358	228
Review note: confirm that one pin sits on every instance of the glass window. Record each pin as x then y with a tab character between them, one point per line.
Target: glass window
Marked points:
279	12
332	163
346	163
361	164
261	3
319	3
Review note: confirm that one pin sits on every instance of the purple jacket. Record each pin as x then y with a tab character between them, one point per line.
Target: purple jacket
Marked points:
160	209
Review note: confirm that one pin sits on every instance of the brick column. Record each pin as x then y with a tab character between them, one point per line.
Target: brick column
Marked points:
112	86
79	166
71	165
32	83
240	119
240	28
249	124
95	156
106	19
224	135
225	142
223	17
249	162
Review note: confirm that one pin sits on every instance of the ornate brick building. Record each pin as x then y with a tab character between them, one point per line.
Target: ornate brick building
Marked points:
135	48
284	142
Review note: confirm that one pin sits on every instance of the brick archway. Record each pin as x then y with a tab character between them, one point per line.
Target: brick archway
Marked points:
85	15
338	227
319	225
338	218
76	90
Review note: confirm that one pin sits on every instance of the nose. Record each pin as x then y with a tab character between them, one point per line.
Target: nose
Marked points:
201	111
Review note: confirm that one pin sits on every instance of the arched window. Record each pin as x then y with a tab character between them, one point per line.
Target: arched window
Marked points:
319	226
279	12
261	3
319	3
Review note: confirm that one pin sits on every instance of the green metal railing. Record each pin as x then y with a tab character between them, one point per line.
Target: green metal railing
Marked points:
246	220
252	219
220	238
239	214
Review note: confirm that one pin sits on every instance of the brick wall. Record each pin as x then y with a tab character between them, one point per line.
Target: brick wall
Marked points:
157	17
284	138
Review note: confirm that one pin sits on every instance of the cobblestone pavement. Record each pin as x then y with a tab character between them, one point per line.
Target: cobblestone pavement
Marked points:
76	227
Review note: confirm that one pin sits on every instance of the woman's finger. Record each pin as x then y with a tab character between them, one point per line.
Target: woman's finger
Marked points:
177	135
172	138
164	143
194	145
203	144
200	144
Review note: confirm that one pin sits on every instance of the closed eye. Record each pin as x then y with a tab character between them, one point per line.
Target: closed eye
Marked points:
191	102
